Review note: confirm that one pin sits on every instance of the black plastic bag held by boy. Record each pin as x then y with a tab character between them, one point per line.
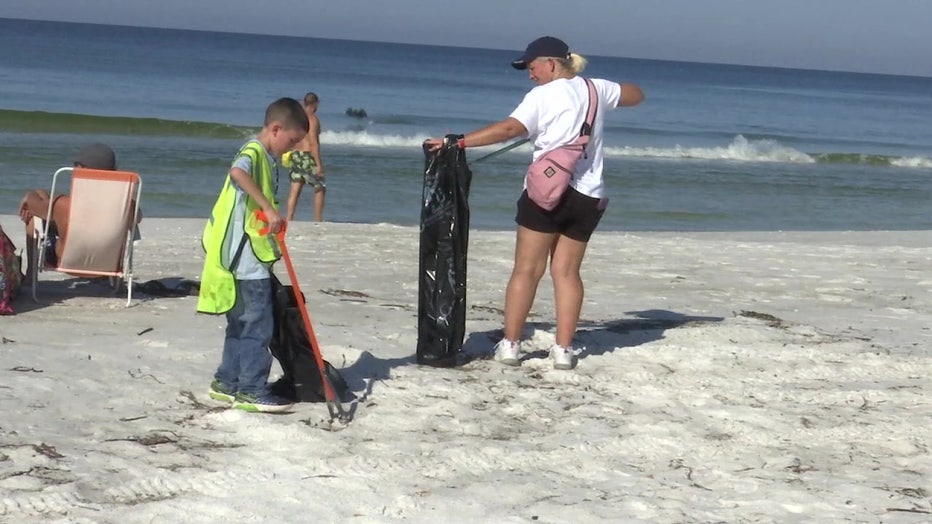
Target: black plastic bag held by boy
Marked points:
291	346
441	314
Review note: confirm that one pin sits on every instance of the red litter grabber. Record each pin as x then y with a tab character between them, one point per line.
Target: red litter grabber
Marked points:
333	403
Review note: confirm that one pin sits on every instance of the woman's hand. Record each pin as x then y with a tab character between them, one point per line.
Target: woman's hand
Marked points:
433	144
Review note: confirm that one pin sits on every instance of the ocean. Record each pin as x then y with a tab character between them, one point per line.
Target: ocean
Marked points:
713	147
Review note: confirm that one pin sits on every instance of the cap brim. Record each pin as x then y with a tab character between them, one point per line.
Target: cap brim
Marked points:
519	64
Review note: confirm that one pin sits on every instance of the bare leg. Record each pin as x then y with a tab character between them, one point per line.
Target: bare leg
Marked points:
531	251
319	194
30	256
567	286
36	204
293	195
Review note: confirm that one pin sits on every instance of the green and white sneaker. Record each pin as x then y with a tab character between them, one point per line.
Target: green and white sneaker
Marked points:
264	404
221	393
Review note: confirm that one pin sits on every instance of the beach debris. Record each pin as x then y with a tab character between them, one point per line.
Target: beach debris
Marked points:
406	307
487	309
344	293
25	369
333	424
153	439
157	288
916	493
144	331
192	398
138	373
798	467
911	510
771	320
47	450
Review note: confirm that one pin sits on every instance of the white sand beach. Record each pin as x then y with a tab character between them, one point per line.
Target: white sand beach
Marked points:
723	377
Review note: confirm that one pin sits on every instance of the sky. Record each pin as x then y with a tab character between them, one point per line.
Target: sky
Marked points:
875	36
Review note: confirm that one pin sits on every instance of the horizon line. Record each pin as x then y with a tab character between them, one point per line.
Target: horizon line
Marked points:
288	35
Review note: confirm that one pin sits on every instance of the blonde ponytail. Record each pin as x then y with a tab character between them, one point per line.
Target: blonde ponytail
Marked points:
577	63
573	62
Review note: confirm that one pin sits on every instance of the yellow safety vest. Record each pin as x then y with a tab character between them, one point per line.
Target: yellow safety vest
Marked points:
218	283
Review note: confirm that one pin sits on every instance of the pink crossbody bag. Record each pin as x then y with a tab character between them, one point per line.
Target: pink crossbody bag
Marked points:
550	175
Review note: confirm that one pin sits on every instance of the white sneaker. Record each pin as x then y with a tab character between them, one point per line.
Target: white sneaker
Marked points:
562	357
506	352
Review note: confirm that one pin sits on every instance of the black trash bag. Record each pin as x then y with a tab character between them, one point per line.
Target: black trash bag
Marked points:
444	237
291	346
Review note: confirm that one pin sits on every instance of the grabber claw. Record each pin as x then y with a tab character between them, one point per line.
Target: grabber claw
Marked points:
334	405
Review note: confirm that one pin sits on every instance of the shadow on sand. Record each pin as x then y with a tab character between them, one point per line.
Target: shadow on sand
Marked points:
595	338
52	292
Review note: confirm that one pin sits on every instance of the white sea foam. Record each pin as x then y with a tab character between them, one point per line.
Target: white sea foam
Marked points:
740	149
914	161
367	139
364	138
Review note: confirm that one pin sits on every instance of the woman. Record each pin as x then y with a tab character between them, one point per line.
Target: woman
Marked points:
551	114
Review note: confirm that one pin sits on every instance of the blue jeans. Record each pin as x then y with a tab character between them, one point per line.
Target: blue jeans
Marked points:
246	360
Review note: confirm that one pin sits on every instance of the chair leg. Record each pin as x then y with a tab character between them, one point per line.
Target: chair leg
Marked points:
35	279
117	282
129	290
38	251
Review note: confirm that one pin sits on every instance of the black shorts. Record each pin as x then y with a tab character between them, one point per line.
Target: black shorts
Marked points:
51	257
576	216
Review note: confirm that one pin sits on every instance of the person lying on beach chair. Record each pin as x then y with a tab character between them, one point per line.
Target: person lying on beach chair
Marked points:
34	208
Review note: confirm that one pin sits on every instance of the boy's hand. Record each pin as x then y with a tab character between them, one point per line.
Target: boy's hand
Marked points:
274	220
268	218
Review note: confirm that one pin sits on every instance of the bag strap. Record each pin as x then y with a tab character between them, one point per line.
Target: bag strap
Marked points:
586	129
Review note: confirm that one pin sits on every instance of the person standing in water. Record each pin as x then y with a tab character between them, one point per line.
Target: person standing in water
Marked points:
306	165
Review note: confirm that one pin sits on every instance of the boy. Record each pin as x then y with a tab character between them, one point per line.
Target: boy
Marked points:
236	278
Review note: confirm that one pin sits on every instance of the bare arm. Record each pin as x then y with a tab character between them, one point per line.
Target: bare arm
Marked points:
490	134
631	95
312	141
34	203
494	133
245	182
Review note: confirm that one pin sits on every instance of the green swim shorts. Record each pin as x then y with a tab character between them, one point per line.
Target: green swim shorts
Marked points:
303	168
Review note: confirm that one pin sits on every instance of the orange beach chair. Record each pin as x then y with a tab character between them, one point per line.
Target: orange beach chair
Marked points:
101	224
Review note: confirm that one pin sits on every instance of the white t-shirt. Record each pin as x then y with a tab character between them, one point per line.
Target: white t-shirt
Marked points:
554	112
